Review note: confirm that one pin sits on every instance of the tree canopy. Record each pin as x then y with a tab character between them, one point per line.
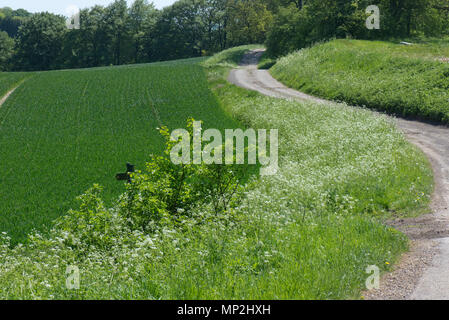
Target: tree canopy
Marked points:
11	20
6	50
302	23
121	34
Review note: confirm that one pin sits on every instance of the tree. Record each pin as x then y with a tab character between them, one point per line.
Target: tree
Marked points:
116	26
286	33
6	50
11	20
95	40
179	31
119	34
39	41
433	20
298	3
249	22
142	17
214	18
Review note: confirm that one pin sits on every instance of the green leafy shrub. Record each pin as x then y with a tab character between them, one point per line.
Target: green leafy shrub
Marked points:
165	193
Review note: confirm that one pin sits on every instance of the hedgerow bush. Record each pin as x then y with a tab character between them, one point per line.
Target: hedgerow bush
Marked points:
166	192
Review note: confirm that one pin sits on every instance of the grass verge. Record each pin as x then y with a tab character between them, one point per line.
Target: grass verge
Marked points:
266	62
409	81
230	58
8	80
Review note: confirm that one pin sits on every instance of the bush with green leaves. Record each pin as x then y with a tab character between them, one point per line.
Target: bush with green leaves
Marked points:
165	193
92	224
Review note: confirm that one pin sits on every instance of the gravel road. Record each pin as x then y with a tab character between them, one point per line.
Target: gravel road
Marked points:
422	273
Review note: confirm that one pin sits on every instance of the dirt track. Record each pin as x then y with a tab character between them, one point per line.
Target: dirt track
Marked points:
6	96
423	273
10	92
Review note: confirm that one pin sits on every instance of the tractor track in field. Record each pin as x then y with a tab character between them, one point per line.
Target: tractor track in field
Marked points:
6	96
423	272
3	100
10	92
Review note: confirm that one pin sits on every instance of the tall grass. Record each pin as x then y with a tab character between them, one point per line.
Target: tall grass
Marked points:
266	62
231	57
409	81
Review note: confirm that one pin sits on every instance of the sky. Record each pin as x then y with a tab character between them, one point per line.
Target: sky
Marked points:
63	6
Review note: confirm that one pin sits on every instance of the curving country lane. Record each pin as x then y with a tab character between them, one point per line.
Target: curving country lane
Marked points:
423	273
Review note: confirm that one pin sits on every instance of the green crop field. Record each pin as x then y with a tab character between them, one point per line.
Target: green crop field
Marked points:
410	81
62	131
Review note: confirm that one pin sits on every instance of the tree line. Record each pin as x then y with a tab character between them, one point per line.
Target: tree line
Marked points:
304	22
118	34
121	34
